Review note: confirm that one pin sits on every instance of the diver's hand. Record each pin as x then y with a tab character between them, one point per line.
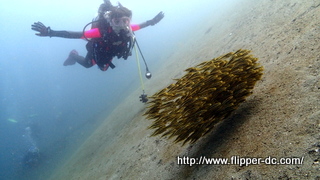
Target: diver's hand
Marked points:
41	28
156	19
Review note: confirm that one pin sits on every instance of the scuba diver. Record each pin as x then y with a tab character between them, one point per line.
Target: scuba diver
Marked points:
111	35
32	156
31	159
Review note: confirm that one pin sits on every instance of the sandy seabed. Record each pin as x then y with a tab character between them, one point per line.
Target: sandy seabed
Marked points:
280	119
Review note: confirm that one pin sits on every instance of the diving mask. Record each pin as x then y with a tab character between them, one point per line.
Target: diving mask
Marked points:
118	24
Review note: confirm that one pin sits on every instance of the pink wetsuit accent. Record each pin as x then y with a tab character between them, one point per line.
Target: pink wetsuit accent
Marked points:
92	33
135	27
95	33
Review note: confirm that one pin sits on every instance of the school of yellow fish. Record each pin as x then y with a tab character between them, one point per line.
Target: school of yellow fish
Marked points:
205	95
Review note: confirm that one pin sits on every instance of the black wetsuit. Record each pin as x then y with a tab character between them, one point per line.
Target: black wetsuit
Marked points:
103	49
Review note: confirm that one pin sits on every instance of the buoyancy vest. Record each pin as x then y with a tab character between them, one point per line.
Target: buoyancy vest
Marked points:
111	44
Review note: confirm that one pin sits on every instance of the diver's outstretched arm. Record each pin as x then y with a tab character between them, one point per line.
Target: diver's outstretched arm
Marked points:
153	21
47	31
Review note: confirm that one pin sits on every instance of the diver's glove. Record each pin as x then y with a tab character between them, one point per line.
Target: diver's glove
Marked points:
156	19
41	28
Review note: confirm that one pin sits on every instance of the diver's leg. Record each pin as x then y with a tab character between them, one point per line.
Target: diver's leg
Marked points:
75	57
71	60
